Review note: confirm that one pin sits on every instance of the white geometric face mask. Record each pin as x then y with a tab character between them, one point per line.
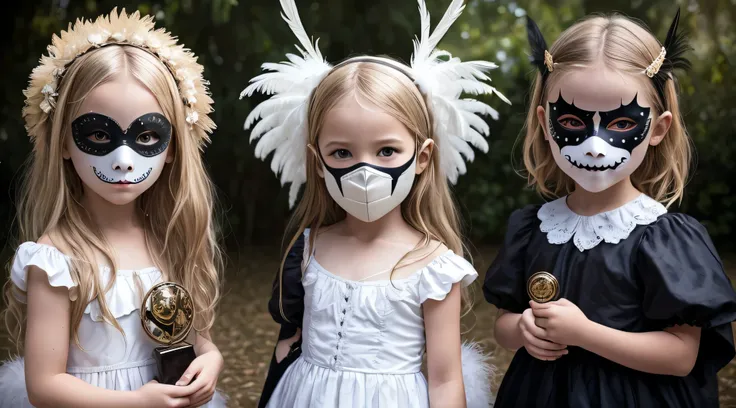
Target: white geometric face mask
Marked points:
368	192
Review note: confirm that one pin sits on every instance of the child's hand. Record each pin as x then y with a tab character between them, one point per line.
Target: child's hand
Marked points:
563	322
156	395
206	368
534	341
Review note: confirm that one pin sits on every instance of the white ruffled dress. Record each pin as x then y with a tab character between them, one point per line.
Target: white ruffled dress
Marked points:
107	359
363	342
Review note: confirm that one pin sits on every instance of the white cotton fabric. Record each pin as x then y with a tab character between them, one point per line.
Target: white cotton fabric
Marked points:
107	359
363	342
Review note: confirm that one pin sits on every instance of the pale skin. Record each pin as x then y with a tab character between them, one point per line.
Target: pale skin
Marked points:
49	308
545	330
357	131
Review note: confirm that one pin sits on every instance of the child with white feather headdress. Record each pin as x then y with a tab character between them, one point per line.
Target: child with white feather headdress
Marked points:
375	273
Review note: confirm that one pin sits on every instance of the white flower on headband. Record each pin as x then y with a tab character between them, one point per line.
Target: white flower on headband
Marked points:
117	28
57	73
192	117
98	37
153	44
283	125
49	98
119	36
137	39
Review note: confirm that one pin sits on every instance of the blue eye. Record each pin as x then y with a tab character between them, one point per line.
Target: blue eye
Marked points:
341	154
387	151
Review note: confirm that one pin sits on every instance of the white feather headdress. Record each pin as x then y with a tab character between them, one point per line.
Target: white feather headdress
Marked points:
440	76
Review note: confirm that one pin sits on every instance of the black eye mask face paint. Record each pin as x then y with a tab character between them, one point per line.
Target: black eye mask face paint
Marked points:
629	124
96	134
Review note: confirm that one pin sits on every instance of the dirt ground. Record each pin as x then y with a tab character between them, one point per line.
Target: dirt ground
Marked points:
245	332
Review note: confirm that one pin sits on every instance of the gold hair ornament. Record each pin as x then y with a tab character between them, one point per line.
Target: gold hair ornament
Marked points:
654	67
117	29
548	61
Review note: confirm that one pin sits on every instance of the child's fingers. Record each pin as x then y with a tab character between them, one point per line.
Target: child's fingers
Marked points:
543	354
189	374
544	312
178	391
179	402
203	395
539	306
542	343
536	331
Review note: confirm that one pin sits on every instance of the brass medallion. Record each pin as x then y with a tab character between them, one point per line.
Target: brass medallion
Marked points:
542	287
167	313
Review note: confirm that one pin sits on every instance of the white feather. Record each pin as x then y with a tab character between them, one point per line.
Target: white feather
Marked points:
468	69
500	95
478	140
263	128
291	16
463	148
441	77
444	78
282	126
476	122
13	385
427	43
477	373
273	106
471	105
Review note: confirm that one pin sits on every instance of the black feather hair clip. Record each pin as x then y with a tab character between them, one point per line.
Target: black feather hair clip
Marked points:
671	58
541	58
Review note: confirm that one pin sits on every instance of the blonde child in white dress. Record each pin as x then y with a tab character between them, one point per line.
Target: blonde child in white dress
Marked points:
375	141
116	200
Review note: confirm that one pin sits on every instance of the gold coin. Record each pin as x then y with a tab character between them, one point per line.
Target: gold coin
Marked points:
542	287
167	313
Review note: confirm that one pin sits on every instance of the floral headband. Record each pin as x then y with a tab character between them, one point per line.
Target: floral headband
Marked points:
117	29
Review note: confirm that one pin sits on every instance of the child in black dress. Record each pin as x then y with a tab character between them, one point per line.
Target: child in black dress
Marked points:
609	300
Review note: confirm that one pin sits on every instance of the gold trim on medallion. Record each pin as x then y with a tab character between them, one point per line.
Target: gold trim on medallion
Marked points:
542	287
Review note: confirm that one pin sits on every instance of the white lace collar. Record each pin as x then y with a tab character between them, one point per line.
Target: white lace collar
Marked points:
560	223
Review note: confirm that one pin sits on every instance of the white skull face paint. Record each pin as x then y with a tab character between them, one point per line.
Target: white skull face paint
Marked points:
598	149
108	158
368	192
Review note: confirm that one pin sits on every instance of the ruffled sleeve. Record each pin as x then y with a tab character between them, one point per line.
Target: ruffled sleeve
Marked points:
291	292
684	283
48	259
437	278
505	285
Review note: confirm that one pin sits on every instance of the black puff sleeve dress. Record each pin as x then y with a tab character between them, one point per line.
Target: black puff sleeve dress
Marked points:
635	269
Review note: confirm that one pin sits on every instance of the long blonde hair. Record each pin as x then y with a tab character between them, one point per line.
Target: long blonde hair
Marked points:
176	210
429	208
621	44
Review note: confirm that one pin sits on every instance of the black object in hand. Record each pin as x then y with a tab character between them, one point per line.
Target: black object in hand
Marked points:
172	362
